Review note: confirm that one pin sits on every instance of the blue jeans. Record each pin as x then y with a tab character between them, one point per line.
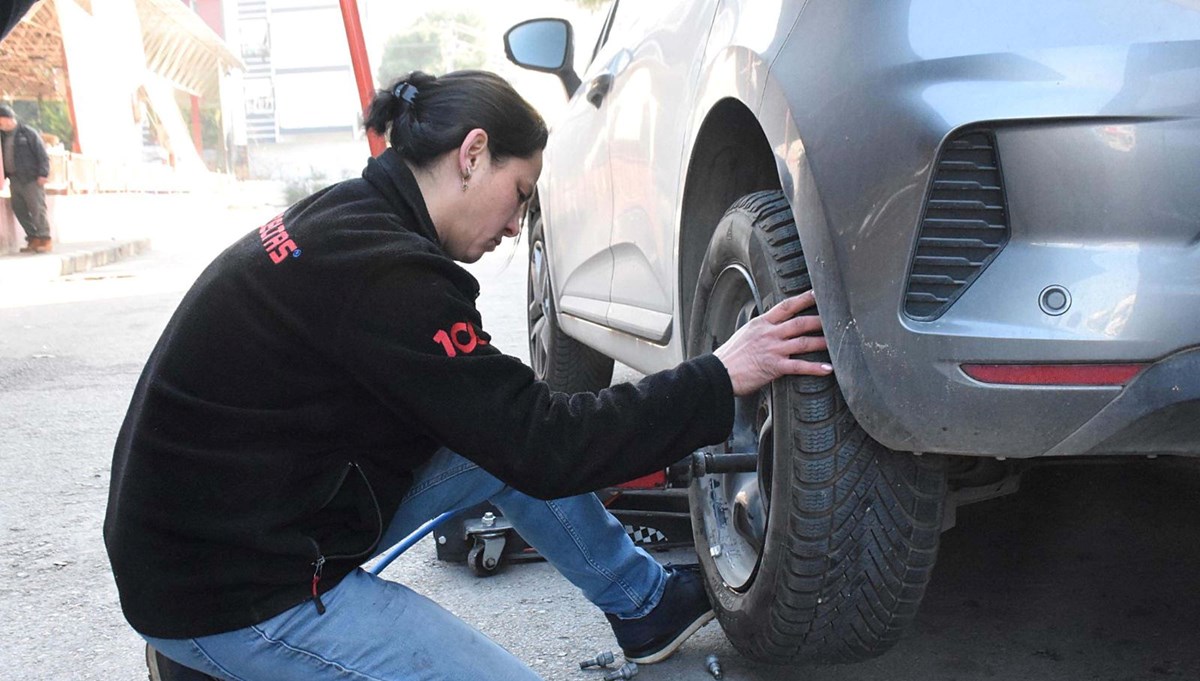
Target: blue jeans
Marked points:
381	630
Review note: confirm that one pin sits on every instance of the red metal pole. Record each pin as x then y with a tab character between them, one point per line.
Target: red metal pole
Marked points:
197	137
362	66
75	145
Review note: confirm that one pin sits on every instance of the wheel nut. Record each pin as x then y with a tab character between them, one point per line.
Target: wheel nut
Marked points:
602	660
627	671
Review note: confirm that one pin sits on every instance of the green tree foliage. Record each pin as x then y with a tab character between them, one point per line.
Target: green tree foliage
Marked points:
47	116
437	43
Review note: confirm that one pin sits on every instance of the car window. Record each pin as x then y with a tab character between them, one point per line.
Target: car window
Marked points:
604	30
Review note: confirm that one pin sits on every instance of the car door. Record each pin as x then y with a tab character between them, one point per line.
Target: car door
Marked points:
577	207
654	66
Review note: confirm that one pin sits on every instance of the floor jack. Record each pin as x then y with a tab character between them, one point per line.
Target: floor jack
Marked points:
653	509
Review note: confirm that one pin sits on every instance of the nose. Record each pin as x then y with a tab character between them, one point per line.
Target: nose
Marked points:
513	227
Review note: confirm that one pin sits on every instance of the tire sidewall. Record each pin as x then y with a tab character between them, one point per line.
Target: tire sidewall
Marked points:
737	241
570	366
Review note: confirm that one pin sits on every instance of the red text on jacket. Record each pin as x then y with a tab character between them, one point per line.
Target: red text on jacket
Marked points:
460	338
275	240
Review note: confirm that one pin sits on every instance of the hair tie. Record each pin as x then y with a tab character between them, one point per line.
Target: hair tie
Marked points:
406	91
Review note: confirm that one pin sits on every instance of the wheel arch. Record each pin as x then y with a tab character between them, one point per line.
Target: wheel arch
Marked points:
748	140
730	158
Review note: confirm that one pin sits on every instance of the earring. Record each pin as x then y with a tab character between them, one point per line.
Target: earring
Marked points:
466	176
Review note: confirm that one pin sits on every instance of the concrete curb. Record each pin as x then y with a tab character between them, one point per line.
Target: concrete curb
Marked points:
86	259
68	259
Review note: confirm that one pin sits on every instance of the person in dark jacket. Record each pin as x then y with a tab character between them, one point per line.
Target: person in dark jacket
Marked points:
27	168
327	385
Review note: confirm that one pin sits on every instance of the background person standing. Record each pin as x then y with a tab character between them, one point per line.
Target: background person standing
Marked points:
27	168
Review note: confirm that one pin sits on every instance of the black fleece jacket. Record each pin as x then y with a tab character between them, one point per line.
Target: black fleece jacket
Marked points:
311	368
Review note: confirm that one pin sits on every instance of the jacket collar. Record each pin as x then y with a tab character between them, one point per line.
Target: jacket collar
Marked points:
390	175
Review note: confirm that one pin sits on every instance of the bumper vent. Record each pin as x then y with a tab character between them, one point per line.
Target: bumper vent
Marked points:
965	225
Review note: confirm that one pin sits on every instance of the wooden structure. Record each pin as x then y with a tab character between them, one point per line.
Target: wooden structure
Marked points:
177	48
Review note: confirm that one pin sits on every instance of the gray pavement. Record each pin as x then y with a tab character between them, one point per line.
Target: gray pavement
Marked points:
1087	573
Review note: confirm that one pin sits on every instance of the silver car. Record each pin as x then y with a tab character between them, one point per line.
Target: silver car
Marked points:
998	206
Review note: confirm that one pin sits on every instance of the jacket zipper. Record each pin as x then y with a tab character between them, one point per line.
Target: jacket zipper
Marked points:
319	563
316	597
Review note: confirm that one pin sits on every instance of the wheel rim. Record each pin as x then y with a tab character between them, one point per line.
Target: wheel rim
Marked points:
540	310
735	507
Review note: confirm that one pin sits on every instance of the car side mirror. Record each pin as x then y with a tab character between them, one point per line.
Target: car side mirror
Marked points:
544	45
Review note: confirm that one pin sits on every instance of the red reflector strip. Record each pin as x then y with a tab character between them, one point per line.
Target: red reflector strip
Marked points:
1053	374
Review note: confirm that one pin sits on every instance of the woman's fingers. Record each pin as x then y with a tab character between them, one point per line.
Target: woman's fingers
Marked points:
805	345
800	326
790	307
798	367
765	348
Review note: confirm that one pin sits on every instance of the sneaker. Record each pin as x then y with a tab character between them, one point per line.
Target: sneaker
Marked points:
682	610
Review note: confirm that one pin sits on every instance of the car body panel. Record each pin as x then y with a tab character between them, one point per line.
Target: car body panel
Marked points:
646	156
870	208
580	209
586	266
1094	107
734	65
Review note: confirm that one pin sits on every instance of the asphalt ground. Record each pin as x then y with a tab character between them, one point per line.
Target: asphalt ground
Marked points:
1087	573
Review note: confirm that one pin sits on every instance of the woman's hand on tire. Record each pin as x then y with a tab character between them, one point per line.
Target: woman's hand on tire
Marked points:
763	349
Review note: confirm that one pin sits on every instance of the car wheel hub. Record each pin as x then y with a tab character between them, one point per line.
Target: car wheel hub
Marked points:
539	309
735	511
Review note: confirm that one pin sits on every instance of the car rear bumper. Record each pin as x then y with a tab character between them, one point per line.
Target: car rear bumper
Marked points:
1157	413
1108	215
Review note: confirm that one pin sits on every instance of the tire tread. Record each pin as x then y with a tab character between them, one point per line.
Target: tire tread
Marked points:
863	522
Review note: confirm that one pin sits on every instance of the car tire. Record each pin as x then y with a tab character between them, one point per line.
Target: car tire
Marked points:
823	553
561	361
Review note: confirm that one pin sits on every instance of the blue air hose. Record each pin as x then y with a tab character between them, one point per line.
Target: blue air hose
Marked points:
406	543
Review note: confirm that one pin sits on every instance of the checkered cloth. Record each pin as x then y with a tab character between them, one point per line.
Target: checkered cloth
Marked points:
644	535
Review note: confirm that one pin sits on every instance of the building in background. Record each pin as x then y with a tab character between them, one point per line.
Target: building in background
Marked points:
137	78
130	95
303	120
301	106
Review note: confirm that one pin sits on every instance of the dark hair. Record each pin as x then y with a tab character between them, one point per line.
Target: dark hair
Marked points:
424	116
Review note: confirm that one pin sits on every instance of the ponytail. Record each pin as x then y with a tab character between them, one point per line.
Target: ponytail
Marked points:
424	116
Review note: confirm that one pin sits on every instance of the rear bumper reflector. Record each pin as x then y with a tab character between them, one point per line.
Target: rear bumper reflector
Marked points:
1054	374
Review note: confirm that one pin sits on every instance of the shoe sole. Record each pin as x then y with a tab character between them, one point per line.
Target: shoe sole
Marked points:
669	649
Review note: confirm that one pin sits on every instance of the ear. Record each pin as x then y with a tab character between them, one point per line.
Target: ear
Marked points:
472	149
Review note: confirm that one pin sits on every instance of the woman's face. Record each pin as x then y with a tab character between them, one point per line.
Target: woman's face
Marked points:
491	206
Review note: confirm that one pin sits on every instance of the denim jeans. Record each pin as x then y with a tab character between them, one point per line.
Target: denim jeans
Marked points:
382	630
